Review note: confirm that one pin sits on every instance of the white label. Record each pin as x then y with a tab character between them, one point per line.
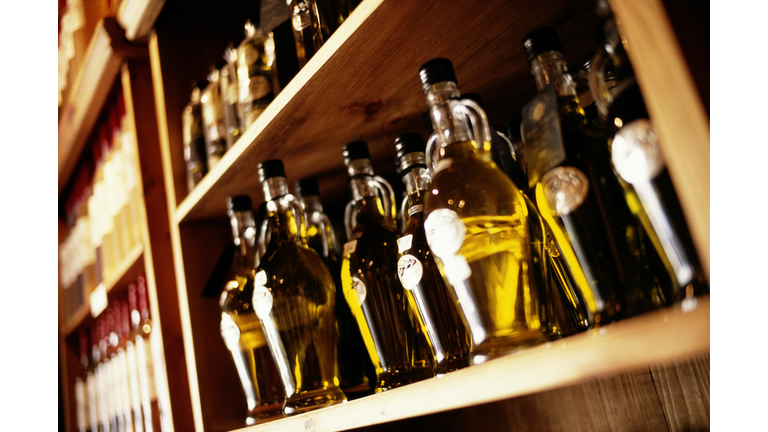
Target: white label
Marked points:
93	397
350	247
636	152
418	208
229	332
147	386
98	300
443	164
404	243
359	287
457	269
80	402
445	232
410	271
133	383
262	296
565	189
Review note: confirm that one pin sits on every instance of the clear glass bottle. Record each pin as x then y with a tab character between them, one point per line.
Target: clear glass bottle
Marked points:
398	349
141	335
230	96
314	21
477	226
255	57
94	387
294	298
132	371
425	288
214	126
193	139
81	385
578	194
637	158
241	328
351	355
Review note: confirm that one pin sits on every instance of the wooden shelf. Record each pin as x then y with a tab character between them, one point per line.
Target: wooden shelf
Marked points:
658	337
138	16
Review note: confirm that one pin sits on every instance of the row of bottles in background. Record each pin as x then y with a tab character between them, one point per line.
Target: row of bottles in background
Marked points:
240	87
103	208
116	390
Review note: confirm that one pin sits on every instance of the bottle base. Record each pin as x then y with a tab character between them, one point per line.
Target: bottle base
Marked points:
390	380
450	365
312	400
264	413
500	347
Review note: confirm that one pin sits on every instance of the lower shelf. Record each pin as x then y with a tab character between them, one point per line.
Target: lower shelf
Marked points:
654	338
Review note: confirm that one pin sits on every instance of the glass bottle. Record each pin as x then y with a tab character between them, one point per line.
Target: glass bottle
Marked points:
294	298
577	193
314	21
123	398
94	387
240	327
427	293
255	57
351	354
637	158
81	385
230	96
397	347
214	126
132	377
141	334
103	375
477	226
192	135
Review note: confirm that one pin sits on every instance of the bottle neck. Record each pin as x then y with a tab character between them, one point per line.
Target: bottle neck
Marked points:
416	179
441	98
311	203
285	215
550	68
274	187
243	229
320	235
365	191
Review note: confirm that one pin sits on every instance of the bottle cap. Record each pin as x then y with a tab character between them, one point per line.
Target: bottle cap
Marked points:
435	71
409	143
540	41
200	84
307	187
219	64
239	203
271	168
355	150
473	97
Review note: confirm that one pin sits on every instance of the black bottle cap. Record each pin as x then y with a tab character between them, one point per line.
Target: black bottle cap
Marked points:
307	187
409	143
427	120
201	84
239	203
356	150
540	41
473	97
271	168
435	71
219	65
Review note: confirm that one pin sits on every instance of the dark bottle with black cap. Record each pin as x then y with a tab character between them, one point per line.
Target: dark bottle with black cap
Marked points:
240	327
397	348
637	158
294	298
351	355
425	288
578	194
193	138
477	226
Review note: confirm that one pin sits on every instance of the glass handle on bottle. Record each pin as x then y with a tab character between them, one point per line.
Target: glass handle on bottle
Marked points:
263	239
328	238
432	154
387	196
349	214
477	119
298	214
597	86
509	144
403	209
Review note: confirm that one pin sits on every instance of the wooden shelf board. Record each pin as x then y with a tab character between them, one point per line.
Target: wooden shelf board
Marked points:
127	271
363	84
138	16
654	338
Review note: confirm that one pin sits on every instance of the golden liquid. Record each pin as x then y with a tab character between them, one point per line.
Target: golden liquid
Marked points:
500	306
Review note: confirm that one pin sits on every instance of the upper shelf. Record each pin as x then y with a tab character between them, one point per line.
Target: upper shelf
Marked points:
656	337
363	84
138	16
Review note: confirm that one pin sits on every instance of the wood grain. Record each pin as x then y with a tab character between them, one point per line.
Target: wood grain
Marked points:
631	403
674	107
683	389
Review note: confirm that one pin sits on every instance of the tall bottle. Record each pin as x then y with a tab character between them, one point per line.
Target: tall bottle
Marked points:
425	288
477	226
81	385
313	23
132	373
255	57
122	389
214	126
240	327
637	158
351	354
141	328
294	299
578	194
397	347
193	138
94	382
230	96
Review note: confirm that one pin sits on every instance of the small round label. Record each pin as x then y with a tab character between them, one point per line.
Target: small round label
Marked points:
410	271
565	189
359	288
636	153
445	232
229	332
262	296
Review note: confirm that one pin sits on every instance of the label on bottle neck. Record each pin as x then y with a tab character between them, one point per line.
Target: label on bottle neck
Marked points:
350	247
415	209
404	243
359	287
410	271
541	135
565	189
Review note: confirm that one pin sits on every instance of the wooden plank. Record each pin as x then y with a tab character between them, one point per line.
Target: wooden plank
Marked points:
355	87
161	282
138	16
631	403
674	107
683	389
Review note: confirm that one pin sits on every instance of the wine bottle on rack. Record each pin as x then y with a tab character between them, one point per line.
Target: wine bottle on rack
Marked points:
141	334
294	298
109	375
637	158
477	225
94	395
255	57
313	23
193	139
120	377
82	383
214	126
397	347
351	354
133	403
578	194
240	327
425	288
230	96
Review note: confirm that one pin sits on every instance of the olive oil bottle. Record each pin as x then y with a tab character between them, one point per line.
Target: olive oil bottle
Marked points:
294	298
241	328
397	347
